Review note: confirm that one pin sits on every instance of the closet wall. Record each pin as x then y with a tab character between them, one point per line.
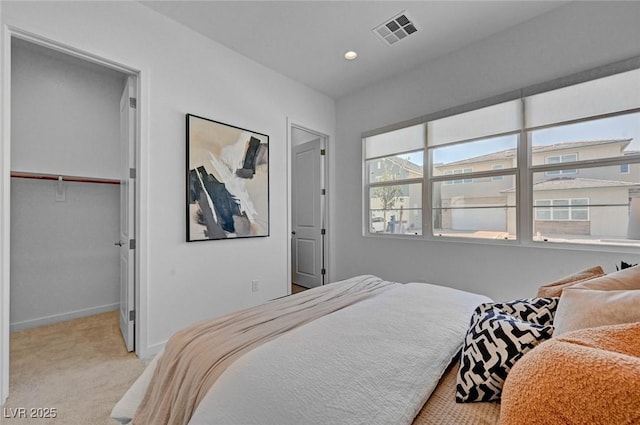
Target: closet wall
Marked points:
65	121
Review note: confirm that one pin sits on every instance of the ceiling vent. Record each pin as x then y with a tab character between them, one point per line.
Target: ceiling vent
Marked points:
396	28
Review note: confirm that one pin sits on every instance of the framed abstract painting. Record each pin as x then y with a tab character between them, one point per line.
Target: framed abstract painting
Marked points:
227	181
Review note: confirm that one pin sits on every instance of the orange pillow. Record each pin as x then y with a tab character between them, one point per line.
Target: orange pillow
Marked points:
584	377
554	289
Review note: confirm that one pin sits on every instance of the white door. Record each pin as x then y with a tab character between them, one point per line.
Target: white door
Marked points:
307	218
127	205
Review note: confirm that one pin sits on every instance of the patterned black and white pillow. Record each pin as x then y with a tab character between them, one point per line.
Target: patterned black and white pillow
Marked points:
535	310
499	335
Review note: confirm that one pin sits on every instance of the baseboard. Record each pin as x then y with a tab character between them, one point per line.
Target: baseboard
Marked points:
152	350
50	320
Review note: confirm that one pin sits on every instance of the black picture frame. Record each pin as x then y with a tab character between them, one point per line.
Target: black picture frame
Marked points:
227	181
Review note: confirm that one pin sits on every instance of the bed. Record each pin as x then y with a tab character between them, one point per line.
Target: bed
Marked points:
359	351
368	351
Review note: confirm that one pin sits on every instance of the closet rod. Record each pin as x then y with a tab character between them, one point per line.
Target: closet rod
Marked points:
38	176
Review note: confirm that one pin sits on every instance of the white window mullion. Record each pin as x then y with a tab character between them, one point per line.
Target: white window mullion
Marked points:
427	195
524	179
365	192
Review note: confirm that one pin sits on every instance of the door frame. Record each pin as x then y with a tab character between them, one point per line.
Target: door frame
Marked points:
324	164
141	193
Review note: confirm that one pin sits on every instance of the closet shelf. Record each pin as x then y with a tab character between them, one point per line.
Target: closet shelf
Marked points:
39	176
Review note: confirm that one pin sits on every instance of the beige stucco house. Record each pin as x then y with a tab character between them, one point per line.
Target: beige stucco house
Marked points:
584	203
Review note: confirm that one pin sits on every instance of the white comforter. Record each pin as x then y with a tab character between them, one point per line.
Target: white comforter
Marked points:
375	362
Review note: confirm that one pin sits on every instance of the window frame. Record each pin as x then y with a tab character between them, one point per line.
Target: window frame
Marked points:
524	171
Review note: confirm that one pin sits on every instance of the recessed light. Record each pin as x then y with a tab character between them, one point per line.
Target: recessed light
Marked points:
350	55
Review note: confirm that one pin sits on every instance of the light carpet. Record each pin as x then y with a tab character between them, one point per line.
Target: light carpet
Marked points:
81	368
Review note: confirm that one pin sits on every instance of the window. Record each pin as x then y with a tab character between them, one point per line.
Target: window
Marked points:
497	167
480	201
543	209
581	138
562	209
394	164
579	210
571	154
458	171
559	159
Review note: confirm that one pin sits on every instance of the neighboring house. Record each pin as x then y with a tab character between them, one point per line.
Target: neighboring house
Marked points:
567	202
396	208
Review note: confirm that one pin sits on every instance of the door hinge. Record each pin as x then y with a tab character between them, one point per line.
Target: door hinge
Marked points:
323	151
132	315
324	191
132	244
133	103
323	271
323	231
132	173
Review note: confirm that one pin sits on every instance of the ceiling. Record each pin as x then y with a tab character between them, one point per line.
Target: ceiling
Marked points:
306	40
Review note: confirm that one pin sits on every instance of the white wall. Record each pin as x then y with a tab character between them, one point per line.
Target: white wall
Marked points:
64	263
65	114
183	72
570	39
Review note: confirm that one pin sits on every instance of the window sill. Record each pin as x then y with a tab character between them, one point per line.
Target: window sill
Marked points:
621	246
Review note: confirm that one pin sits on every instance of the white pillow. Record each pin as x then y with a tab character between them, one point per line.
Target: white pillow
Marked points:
588	308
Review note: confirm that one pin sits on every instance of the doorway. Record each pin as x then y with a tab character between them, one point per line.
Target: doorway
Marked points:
73	122
81	187
308	207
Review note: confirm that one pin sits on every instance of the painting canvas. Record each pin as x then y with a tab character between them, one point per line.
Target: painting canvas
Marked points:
227	181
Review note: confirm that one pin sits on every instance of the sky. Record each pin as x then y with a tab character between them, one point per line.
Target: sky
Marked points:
618	127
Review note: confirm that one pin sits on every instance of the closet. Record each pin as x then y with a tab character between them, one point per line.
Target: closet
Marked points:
65	186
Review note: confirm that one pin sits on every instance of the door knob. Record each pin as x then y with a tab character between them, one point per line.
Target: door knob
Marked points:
293	233
119	243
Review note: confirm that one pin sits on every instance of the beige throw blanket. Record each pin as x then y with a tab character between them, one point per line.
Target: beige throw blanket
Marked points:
196	356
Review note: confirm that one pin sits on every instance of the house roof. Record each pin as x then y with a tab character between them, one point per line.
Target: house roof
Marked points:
406	164
510	153
566	183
